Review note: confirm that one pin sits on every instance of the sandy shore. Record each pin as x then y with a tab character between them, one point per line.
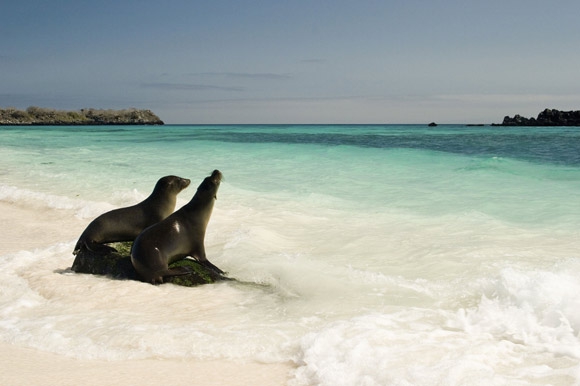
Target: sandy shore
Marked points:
25	229
28	367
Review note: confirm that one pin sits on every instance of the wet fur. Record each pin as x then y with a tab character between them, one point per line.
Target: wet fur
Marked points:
180	235
124	224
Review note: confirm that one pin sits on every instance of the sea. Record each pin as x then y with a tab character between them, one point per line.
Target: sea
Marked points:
362	254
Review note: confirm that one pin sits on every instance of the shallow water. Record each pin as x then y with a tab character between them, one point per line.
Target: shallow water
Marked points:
364	254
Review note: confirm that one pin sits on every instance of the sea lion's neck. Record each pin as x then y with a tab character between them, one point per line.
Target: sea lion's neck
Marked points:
200	207
165	201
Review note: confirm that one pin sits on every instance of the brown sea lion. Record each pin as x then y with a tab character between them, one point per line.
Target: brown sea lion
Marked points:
178	236
124	224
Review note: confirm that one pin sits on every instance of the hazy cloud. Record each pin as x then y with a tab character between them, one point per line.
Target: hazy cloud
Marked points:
189	87
314	61
246	75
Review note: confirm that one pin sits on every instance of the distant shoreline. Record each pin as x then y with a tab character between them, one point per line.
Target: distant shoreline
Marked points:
39	116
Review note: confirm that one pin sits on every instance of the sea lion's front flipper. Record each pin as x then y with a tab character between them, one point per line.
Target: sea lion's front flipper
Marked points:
206	263
99	248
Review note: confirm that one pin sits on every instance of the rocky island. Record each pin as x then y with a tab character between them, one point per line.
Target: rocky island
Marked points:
43	116
548	117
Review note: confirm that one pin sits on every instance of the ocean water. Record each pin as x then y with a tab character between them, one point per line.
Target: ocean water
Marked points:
364	255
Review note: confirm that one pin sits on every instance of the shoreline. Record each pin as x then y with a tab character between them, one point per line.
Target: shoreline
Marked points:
28	366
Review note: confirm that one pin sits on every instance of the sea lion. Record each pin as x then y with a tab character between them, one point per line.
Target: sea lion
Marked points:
124	224
178	236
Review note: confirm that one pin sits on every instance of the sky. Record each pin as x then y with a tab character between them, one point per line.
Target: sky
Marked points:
294	61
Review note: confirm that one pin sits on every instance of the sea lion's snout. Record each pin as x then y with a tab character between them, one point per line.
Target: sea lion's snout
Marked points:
216	176
185	183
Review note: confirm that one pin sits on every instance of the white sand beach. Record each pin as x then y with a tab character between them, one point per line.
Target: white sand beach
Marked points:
24	229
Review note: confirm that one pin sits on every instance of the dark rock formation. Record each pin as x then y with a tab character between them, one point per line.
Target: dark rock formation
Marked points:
548	117
432	124
41	116
118	265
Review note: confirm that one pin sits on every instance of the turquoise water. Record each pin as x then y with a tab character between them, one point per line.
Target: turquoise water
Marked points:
390	254
517	174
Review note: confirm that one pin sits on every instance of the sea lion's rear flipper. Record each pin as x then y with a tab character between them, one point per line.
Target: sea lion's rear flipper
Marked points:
160	276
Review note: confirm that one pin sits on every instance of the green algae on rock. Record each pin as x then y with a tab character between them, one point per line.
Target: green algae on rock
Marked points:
118	265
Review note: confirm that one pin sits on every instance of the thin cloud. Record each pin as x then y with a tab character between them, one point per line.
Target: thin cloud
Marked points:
189	87
314	61
246	75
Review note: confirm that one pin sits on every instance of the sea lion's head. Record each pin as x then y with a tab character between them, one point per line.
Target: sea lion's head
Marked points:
216	177
172	184
210	185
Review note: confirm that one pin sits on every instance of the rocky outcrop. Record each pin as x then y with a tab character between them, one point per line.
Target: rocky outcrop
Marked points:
42	116
118	265
548	117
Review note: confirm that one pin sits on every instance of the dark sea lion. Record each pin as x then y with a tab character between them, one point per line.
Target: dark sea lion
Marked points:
178	236
124	224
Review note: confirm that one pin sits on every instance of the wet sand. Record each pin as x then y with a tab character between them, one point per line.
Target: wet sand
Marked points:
28	229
